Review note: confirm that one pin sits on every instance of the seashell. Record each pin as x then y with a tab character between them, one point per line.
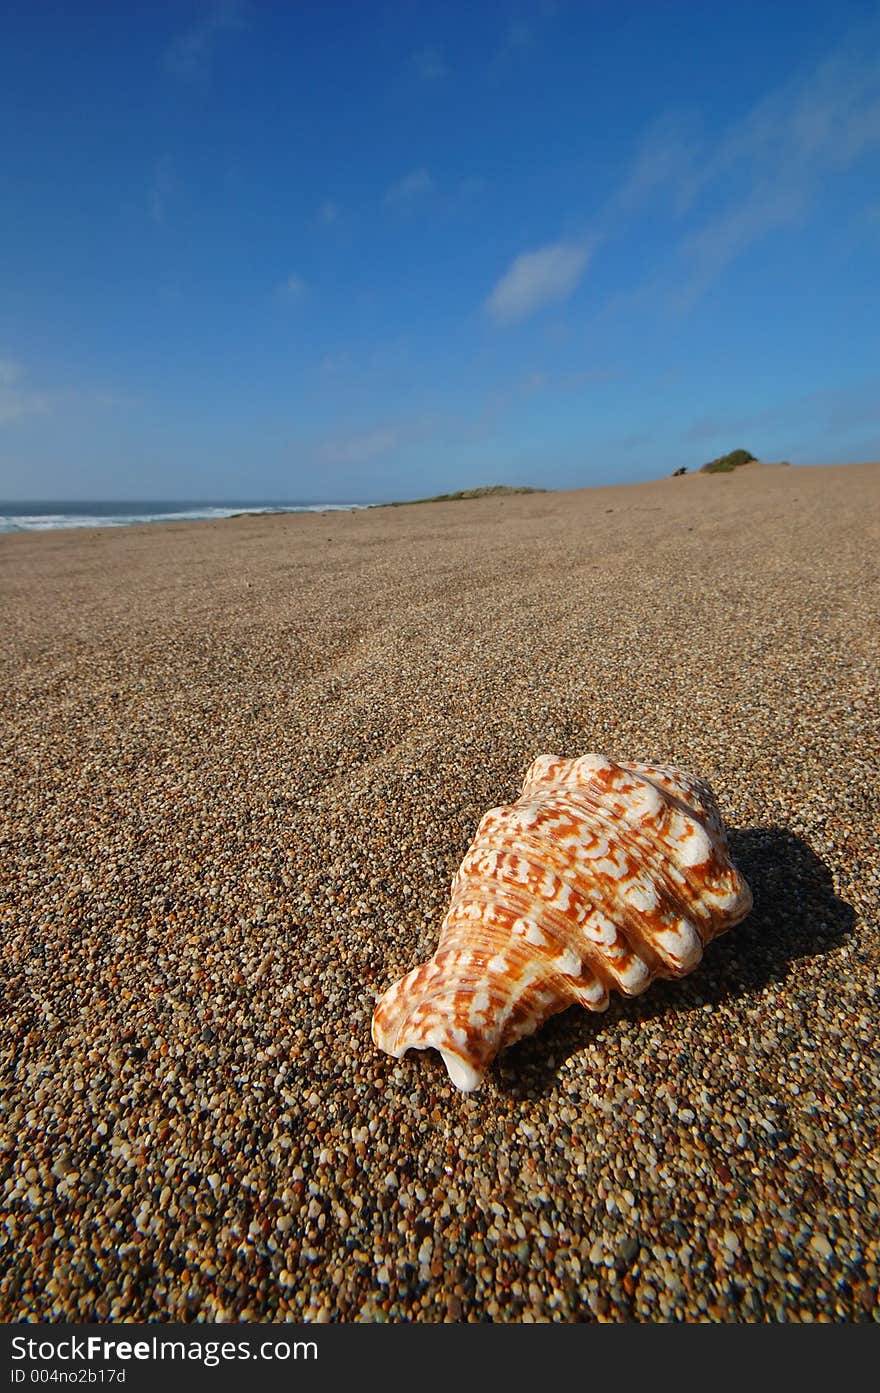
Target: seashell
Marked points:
601	876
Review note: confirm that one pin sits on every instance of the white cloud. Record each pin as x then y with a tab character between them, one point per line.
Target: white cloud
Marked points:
536	279
190	55
411	187
357	449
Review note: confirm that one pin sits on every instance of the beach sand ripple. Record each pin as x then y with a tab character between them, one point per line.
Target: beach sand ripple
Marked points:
241	762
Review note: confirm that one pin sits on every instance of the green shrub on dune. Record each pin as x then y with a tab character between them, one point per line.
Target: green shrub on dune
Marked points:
485	491
725	463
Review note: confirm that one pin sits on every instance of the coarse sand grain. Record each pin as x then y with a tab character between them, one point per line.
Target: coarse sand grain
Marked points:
241	762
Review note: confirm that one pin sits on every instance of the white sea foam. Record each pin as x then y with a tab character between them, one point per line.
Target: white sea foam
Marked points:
13	521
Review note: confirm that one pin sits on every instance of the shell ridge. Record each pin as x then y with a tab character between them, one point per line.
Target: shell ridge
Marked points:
650	847
633	926
601	876
577	940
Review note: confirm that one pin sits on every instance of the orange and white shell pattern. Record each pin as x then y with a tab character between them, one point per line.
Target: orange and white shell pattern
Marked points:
600	877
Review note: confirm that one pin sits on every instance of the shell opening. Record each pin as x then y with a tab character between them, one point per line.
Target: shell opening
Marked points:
460	1070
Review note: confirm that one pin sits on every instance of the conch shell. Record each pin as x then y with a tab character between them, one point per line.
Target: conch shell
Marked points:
600	876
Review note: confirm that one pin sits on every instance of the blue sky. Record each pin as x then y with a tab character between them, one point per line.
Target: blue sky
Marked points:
368	251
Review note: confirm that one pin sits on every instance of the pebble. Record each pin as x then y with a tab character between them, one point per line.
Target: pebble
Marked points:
236	782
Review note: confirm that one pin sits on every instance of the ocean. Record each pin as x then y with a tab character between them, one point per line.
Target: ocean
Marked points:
48	517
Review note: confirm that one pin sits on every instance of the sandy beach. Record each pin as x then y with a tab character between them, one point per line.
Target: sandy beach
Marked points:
242	761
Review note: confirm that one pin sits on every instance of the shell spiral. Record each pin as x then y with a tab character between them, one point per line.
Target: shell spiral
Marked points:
600	877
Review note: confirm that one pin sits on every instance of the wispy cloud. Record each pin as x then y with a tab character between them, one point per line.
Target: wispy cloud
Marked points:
501	401
328	214
162	189
863	231
17	399
332	364
766	171
470	187
538	278
410	188
190	55
784	152
833	410
357	449
819	122
521	34
724	238
429	64
517	37
665	166
293	288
